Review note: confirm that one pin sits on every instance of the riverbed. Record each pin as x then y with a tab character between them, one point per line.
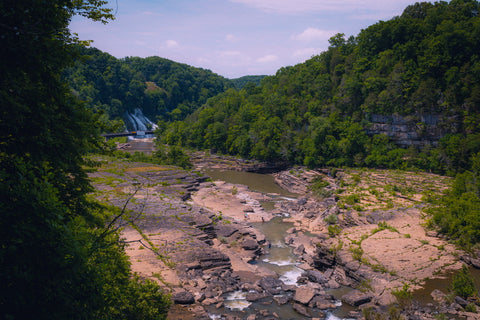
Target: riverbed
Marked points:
279	256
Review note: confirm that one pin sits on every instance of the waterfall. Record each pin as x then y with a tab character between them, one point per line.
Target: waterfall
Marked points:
137	121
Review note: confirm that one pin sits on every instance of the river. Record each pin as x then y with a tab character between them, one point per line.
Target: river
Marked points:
279	258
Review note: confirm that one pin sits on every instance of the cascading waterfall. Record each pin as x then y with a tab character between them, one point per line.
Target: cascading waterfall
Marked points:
137	121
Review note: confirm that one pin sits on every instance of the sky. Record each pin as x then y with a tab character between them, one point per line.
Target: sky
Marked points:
232	38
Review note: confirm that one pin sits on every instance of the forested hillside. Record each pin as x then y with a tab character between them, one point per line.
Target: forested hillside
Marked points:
158	86
420	69
241	82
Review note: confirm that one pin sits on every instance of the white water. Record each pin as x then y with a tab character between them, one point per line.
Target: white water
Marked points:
237	301
137	121
291	277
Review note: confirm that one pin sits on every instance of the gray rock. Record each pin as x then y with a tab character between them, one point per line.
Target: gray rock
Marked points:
183	297
301	309
255	296
315	276
271	284
281	300
461	301
225	230
209	259
438	295
356	298
249	244
475	263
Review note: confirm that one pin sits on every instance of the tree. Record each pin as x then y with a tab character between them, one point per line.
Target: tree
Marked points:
56	261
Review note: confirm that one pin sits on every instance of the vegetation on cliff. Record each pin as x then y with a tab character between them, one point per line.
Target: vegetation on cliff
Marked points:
422	66
57	259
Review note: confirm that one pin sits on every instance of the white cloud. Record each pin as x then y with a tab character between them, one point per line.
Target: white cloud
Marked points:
268	58
171	44
314	34
315	6
230	38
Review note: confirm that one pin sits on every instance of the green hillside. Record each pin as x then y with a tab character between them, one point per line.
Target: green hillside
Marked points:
158	86
239	83
402	93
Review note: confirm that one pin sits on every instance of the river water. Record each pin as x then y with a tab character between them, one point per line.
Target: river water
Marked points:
279	258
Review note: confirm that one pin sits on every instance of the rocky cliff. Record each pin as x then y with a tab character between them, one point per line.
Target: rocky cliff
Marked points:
415	130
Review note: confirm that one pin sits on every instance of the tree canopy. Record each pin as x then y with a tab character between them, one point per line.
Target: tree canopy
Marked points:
160	87
56	261
421	67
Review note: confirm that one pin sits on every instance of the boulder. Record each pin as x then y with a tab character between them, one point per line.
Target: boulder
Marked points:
301	309
209	259
183	297
461	301
356	298
315	276
475	263
250	287
249	244
271	284
324	258
255	296
303	295
332	284
281	300
438	296
325	304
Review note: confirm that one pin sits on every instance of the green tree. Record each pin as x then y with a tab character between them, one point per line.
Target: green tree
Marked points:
57	260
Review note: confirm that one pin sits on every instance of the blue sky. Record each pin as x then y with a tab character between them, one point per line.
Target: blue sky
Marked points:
232	38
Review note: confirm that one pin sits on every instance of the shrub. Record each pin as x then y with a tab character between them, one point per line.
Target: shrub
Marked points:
331	219
334	230
404	296
462	284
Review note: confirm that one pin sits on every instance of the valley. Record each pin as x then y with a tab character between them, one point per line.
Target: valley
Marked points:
298	242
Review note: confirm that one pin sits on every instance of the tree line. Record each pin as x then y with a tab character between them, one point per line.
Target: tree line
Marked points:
317	113
425	62
160	87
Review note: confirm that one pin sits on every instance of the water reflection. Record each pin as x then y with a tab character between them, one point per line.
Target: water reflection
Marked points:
263	183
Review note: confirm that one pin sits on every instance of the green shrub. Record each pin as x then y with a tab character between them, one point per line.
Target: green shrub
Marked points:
331	219
462	284
334	230
404	296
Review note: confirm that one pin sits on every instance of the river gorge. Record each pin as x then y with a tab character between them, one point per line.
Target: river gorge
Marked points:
231	244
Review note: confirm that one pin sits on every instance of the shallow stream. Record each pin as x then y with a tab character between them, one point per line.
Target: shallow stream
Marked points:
279	257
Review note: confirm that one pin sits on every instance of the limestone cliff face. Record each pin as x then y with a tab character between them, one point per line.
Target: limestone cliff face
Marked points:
416	130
